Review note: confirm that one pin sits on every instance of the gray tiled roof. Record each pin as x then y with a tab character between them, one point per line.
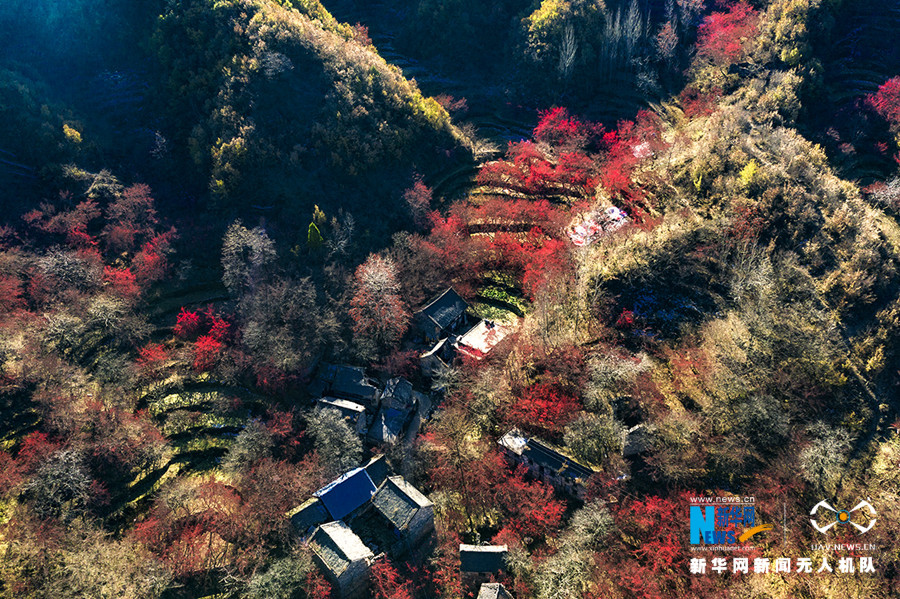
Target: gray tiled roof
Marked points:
398	501
338	546
398	394
445	308
388	425
482	558
310	513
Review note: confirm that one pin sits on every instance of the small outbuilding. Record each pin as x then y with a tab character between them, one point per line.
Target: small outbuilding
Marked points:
546	463
346	382
308	515
442	316
388	426
479	564
409	512
343	558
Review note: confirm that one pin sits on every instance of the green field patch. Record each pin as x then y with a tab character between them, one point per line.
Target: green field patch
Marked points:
492	313
189	399
189	449
183	421
498	278
203	394
501	297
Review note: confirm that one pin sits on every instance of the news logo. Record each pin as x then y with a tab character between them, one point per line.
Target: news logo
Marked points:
724	520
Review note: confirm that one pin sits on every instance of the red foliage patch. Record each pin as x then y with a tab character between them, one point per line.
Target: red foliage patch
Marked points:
544	408
188	324
387	582
10	294
150	264
722	35
527	171
219	328
418	200
696	103
206	353
530	507
152	355
657	562
78	239
886	101
269	378
121	281
34	450
316	586
557	128
10	474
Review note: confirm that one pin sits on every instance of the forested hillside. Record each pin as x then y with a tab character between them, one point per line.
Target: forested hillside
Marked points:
333	298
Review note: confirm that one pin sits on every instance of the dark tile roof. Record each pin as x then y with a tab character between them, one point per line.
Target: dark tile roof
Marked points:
637	441
543	455
338	546
346	493
398	501
310	513
377	469
551	459
346	382
482	558
445	308
388	426
398	394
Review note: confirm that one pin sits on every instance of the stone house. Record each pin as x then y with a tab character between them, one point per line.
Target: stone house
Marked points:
410	513
343	558
308	515
480	564
346	382
443	316
388	426
545	463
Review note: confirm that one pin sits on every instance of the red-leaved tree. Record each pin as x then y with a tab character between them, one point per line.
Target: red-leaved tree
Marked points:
387	582
187	324
544	408
886	101
722	36
206	352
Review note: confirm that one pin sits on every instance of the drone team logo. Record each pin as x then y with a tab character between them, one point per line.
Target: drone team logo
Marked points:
843	517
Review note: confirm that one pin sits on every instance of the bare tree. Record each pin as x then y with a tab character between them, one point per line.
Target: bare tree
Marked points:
568	48
339	447
246	255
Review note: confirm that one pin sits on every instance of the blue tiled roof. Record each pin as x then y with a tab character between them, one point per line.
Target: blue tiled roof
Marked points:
346	493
